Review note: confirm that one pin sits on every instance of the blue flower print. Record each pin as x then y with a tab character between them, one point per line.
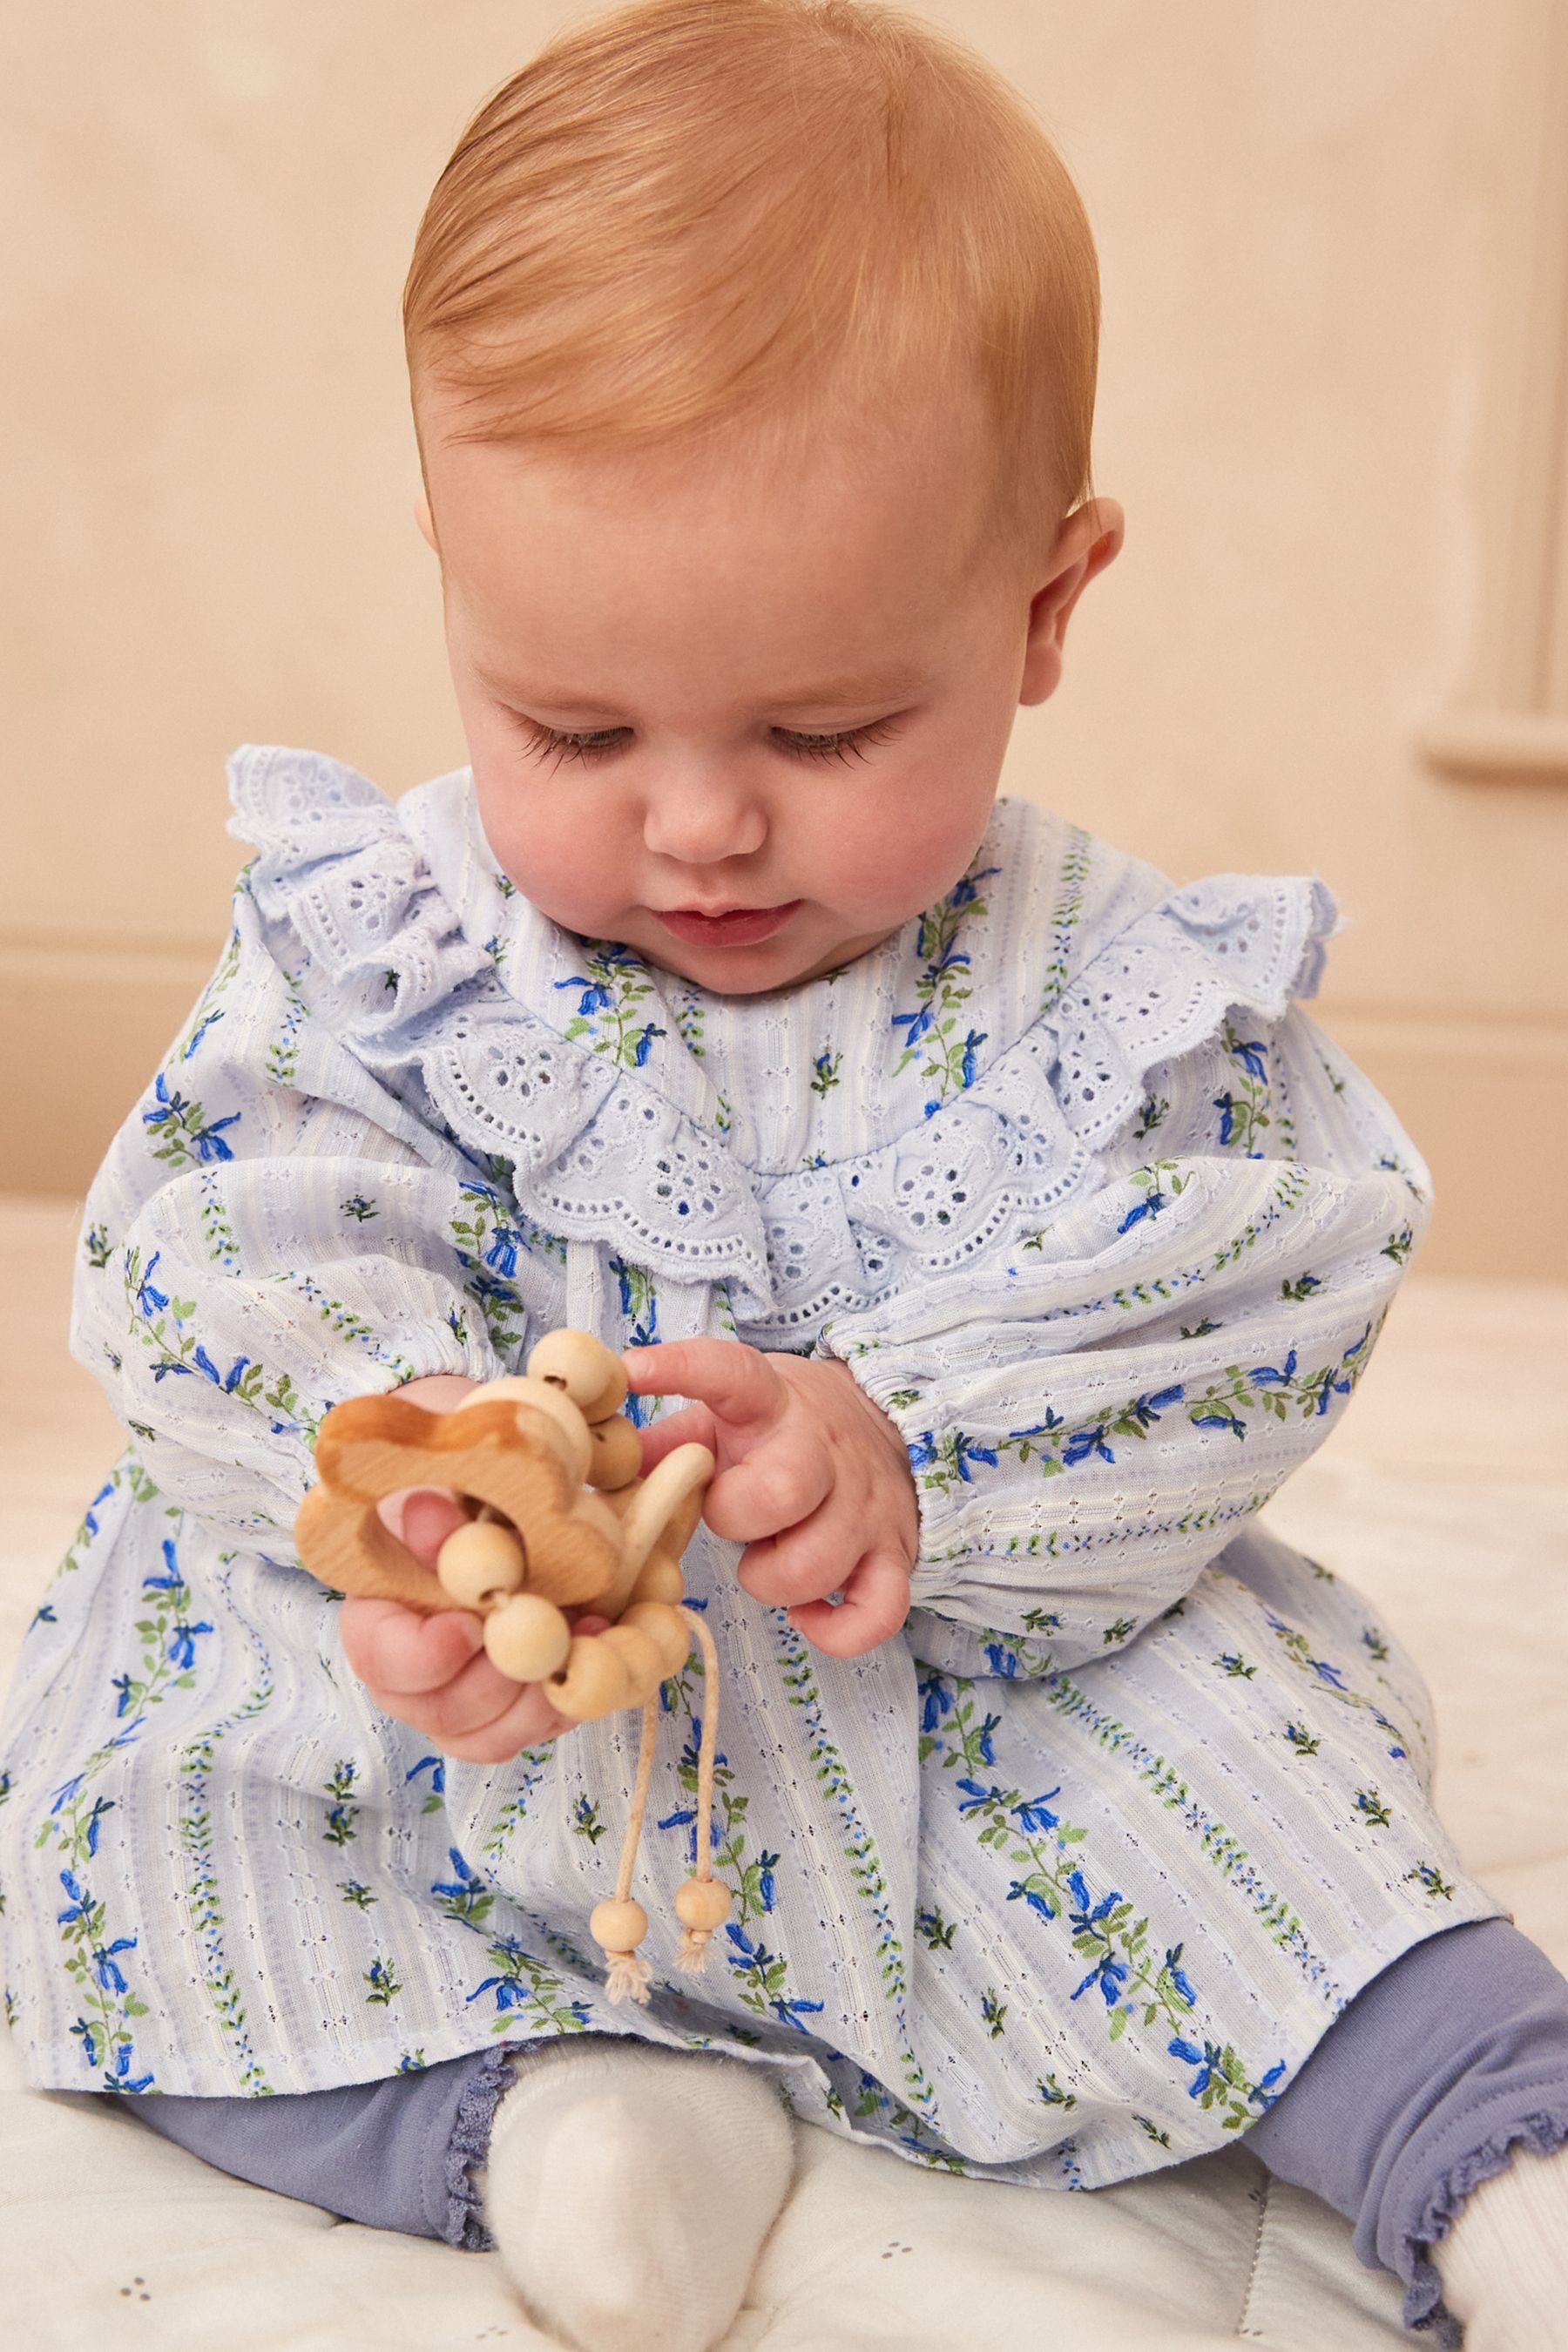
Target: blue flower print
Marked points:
121	2079
952	1456
1220	1421
1001	1661
942	990
88	1829
150	1302
504	1243
80	1905
170	1580
383	1980
966	1449
183	1643
105	1967
595	996
935	1697
1089	1928
194	1041
1178	1976
1208	2063
976	1795
1263	2093
1084	1443
1032	1811
1253	1056
436	1768
1219	2079
179	1125
1019	1892
764	1973
965	891
614	983
915	1025
1149	1206
464	1897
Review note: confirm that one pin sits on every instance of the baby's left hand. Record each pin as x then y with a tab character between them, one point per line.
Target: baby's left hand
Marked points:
813	1478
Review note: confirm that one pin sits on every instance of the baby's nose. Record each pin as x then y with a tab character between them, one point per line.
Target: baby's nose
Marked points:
702	822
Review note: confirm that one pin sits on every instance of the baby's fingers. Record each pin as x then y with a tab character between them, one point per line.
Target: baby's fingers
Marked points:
692	1425
396	1650
875	1604
433	1674
738	1383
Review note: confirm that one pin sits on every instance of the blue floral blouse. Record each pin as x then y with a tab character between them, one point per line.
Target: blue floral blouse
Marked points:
1062	1885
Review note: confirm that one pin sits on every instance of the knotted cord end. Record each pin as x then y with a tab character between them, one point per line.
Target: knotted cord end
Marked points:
629	1979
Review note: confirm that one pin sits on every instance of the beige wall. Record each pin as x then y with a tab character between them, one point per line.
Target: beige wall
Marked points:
205	473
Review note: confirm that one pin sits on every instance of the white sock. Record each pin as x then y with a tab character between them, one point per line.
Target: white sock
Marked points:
1504	2262
629	2189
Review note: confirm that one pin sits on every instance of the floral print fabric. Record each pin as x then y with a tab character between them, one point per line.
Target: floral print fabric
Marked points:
1062	1885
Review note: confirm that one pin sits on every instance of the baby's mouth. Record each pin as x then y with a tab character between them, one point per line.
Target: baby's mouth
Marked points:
737	927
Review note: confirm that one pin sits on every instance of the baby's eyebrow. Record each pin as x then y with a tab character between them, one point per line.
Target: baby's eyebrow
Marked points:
844	692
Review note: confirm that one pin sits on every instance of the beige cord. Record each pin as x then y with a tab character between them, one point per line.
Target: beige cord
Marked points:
702	1904
629	1974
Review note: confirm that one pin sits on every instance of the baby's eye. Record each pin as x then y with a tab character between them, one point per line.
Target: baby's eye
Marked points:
546	742
594	743
848	745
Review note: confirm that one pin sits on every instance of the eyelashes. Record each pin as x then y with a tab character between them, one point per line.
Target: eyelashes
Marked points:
553	745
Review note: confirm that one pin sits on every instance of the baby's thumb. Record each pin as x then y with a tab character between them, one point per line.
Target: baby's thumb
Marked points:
423	1516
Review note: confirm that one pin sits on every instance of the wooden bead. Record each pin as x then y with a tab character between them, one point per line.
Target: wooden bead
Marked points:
702	1903
659	1580
594	1681
479	1562
618	1925
593	1378
618	1454
641	1657
666	1628
554	1403
527	1637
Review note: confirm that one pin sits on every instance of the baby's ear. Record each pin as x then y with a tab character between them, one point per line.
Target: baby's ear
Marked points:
1089	539
426	520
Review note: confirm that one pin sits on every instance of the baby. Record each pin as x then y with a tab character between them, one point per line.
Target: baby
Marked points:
1007	1230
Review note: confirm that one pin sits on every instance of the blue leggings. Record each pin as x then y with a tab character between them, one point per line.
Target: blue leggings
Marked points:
1453	2056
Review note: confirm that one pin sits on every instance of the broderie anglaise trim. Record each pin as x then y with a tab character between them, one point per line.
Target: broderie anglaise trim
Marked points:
599	1153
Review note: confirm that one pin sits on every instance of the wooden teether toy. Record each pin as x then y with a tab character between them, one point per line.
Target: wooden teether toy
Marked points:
549	1466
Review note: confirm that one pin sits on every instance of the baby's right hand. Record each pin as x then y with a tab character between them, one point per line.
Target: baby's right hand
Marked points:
433	1672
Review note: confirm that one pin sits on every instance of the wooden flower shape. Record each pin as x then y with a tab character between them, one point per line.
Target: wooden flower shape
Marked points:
498	1451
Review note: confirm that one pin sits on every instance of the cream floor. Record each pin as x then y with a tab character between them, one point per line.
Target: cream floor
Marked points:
1444	1495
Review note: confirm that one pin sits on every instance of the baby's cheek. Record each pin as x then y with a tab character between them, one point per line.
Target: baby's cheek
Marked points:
580	874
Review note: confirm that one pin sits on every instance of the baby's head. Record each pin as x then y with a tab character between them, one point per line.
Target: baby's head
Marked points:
753	346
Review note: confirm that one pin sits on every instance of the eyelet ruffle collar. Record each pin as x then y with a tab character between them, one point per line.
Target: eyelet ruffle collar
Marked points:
1085	972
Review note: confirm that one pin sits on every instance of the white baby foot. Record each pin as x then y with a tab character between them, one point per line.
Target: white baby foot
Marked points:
1504	2263
629	2189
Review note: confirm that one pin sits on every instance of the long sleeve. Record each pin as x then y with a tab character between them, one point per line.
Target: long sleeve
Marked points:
271	1233
1091	1415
